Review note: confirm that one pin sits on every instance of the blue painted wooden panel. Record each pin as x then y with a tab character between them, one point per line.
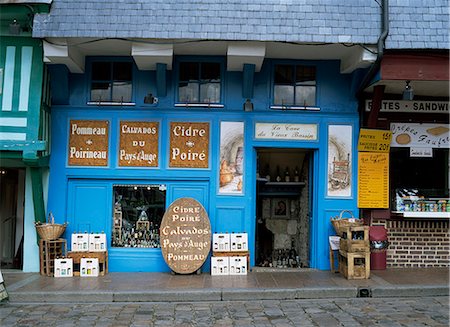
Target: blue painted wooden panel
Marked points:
229	220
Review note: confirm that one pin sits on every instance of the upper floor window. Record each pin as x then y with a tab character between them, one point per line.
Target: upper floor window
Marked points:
111	81
295	85
199	82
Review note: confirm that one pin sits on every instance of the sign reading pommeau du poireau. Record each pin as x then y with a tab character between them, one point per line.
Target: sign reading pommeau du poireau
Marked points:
88	143
138	144
185	235
189	145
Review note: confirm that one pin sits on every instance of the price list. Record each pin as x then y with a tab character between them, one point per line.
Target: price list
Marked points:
373	180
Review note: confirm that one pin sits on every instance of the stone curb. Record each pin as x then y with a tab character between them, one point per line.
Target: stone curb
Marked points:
410	291
168	296
61	297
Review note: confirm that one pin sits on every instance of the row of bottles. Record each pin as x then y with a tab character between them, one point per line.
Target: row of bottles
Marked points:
137	238
282	177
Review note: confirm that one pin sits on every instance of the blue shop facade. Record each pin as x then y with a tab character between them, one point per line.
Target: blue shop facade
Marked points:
268	150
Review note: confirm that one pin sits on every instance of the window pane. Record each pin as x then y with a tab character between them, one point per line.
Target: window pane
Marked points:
210	71
121	92
210	93
305	95
138	211
284	74
122	71
284	94
189	71
101	71
188	92
305	75
101	92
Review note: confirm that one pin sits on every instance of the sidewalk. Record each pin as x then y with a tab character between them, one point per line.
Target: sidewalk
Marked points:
267	285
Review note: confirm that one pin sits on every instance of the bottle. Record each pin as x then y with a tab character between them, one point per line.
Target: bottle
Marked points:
278	179
287	178
268	172
296	176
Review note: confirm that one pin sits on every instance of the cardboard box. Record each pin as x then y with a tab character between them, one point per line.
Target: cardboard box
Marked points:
220	266
221	242
239	242
80	242
63	267
89	267
238	265
97	242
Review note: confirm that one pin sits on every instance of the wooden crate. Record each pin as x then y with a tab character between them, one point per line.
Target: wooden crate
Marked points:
354	246
49	250
355	233
101	256
233	254
354	265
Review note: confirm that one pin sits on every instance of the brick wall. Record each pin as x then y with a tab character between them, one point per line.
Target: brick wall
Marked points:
417	243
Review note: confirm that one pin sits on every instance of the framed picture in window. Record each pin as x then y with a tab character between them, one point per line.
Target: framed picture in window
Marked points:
340	161
280	208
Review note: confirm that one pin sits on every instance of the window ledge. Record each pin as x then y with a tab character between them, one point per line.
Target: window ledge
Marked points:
199	105
106	103
294	108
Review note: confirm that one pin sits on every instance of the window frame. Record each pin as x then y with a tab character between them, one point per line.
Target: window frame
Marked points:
200	61
276	106
109	101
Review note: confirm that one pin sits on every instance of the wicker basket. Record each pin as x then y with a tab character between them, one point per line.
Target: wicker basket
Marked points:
50	230
339	222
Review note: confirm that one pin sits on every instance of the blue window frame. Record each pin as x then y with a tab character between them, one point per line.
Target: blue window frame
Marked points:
199	82
294	85
111	81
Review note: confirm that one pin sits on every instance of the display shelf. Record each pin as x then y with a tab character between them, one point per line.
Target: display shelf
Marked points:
281	188
427	215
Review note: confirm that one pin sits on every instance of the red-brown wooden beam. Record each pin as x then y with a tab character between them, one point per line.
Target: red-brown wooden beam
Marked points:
415	67
377	97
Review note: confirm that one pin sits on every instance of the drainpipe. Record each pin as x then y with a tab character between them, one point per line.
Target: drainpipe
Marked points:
380	48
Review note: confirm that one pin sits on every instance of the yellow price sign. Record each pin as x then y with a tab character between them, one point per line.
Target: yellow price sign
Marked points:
374	140
373	180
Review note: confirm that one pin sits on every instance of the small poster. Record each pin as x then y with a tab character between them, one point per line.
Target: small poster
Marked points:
138	144
88	143
189	145
231	170
339	160
373	180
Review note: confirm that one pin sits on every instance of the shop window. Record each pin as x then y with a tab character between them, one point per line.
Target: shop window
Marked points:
111	82
138	211
294	85
199	82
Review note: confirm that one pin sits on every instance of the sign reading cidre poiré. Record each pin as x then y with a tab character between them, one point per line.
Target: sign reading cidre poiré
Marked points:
185	235
138	144
88	143
189	145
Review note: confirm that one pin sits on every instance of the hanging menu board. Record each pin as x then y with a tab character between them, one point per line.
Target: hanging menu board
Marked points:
189	145
374	140
138	144
373	180
88	143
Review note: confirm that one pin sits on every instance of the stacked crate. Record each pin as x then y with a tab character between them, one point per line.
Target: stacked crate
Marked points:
230	254
49	250
354	252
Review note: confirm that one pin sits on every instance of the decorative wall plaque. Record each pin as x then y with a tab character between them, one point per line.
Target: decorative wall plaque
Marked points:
185	235
138	144
189	145
88	143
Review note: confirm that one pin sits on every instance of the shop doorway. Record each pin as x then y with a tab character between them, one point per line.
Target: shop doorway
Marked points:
283	207
12	195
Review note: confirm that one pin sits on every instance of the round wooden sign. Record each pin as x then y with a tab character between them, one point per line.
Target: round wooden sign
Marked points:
185	235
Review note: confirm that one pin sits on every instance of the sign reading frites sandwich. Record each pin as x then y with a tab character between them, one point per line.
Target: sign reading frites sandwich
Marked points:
138	144
185	235
189	145
88	143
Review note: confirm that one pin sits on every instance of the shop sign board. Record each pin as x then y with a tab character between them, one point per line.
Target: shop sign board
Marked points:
420	135
421	152
283	131
189	145
185	235
374	140
373	180
88	143
425	107
138	144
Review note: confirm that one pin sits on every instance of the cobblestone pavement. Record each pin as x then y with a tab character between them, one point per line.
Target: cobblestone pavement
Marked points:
423	311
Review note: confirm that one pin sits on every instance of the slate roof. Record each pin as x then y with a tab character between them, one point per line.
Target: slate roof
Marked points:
414	23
